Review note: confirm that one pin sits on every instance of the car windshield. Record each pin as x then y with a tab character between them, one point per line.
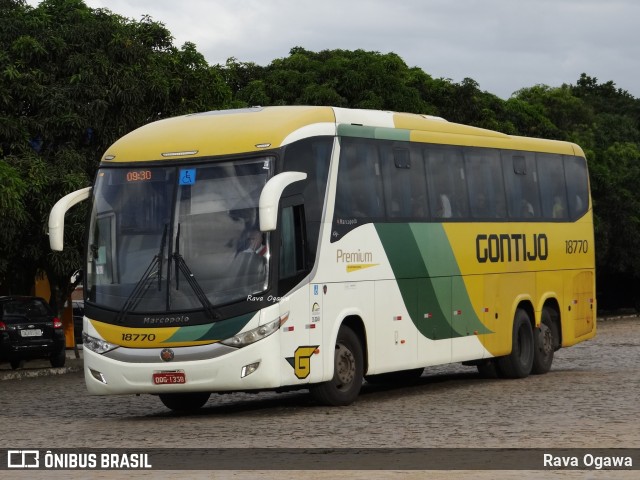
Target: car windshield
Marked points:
177	238
24	307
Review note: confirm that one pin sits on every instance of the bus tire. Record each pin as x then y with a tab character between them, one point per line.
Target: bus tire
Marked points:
183	402
545	339
348	370
519	362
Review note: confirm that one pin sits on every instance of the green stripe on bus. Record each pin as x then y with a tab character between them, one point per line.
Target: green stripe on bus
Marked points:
380	133
429	280
217	331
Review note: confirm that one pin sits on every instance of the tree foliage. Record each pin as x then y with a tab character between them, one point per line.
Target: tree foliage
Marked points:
74	79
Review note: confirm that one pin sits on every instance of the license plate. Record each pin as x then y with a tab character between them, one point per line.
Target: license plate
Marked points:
169	378
35	332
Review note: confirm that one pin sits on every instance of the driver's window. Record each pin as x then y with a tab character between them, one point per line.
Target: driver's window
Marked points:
292	243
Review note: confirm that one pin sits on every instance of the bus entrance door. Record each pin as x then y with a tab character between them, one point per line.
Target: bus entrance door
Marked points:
301	338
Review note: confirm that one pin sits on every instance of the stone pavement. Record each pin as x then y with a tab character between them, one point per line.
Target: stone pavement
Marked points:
42	368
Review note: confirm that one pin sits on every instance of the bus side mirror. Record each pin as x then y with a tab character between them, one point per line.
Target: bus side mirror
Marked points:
270	197
56	217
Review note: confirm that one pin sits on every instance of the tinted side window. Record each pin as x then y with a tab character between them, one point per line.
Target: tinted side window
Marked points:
291	242
575	169
521	184
484	177
446	180
311	156
405	189
359	189
553	194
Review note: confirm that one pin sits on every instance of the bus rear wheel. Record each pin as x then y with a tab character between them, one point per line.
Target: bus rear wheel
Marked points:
348	370
183	402
519	362
545	339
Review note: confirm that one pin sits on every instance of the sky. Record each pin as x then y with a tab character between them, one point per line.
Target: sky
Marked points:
504	45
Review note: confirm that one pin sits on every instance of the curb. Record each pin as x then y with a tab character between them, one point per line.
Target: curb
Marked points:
41	368
37	372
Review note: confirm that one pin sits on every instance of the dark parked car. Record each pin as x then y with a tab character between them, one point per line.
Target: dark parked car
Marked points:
78	314
29	329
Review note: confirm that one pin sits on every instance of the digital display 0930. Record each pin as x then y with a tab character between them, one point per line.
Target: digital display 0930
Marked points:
139	176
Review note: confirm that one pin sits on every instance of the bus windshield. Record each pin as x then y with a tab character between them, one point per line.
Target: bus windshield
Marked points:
177	238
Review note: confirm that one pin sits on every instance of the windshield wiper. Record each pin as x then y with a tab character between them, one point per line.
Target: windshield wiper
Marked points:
160	255
146	280
182	267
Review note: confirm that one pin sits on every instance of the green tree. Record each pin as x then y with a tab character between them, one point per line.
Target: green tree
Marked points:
72	80
615	178
341	78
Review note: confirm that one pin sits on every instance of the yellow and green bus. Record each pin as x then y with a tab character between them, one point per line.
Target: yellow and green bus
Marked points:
314	247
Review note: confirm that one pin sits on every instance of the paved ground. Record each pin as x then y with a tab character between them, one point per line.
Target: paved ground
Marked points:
42	368
588	400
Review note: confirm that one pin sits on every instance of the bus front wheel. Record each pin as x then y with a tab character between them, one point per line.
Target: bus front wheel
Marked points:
183	402
519	362
348	369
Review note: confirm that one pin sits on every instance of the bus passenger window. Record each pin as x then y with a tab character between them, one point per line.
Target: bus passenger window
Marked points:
447	186
484	179
404	184
552	186
359	192
577	185
521	184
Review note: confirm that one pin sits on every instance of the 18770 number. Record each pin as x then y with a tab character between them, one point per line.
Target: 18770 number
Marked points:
576	246
134	337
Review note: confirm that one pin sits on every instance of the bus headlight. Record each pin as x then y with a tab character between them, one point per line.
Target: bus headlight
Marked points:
247	338
95	344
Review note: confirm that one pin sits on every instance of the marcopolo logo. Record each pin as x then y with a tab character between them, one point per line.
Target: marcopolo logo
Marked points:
514	247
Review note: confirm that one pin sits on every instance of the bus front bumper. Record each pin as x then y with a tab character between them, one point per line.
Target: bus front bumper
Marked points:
254	367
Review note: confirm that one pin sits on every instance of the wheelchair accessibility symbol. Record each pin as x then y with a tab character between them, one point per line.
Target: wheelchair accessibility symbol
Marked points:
187	176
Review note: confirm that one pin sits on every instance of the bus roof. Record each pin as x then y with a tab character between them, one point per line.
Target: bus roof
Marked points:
228	132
